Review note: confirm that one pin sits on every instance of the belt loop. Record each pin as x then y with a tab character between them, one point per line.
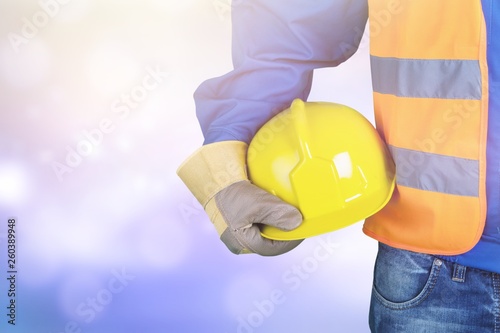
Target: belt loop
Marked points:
458	273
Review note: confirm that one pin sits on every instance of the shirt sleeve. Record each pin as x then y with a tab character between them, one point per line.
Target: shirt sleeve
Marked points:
276	45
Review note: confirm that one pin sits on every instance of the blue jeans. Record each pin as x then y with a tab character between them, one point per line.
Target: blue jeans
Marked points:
415	292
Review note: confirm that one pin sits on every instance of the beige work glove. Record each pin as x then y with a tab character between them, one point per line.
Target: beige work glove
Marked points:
216	174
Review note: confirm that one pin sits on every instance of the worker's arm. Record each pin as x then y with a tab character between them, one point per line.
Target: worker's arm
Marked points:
276	46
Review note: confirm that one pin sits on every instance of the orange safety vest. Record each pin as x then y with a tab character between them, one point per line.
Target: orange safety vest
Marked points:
430	83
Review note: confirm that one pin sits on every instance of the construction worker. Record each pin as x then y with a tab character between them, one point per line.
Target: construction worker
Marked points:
435	75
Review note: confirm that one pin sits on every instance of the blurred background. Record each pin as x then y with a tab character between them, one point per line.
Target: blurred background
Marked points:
96	115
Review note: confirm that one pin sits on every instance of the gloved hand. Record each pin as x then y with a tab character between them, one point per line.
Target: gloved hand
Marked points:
216	175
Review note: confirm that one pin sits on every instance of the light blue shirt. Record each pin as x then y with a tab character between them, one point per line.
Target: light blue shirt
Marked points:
277	45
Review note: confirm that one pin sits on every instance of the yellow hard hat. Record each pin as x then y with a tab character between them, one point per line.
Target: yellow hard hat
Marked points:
327	160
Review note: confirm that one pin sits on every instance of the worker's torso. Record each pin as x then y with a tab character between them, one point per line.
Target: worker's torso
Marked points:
430	80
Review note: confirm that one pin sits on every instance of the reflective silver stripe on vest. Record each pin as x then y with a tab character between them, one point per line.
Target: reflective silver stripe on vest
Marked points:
437	173
449	79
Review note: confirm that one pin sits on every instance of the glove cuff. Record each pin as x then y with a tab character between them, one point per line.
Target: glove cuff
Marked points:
213	167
